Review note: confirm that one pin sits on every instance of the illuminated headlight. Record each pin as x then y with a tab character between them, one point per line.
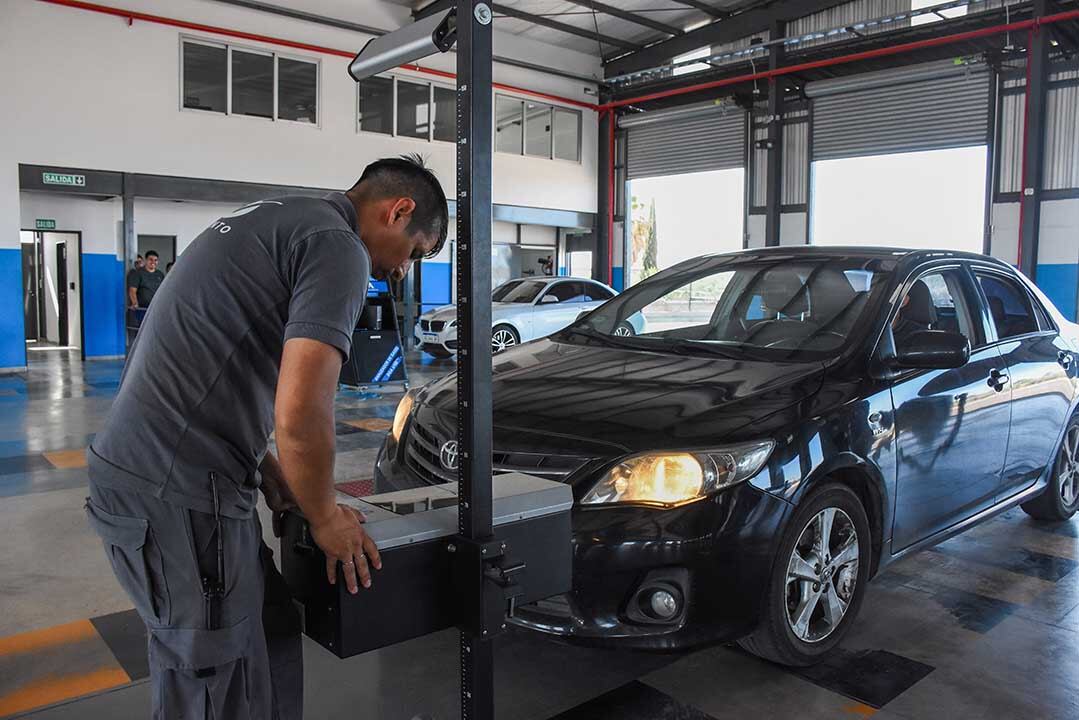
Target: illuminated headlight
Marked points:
669	479
404	409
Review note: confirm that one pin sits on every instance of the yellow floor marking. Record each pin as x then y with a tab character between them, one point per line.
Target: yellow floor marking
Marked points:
48	637
860	710
371	424
57	688
67	459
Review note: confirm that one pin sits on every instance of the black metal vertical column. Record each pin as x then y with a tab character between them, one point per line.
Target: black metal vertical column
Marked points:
131	241
774	187
1030	199
602	263
474	147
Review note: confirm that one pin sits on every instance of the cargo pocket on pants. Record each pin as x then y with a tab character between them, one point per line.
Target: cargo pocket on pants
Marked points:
201	674
135	559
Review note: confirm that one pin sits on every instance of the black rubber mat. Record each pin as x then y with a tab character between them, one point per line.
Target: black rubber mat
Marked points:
125	634
873	677
633	701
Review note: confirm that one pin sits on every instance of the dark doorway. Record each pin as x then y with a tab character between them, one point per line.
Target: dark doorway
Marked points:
61	293
32	290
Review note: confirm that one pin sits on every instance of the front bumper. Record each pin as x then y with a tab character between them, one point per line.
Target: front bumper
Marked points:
444	341
714	556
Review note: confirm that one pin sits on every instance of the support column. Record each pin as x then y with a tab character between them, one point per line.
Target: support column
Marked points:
474	431
774	188
131	251
601	266
1034	144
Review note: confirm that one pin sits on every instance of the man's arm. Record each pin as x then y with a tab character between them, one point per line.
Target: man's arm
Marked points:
305	434
132	297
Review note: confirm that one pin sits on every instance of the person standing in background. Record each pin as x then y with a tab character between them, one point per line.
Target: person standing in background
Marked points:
143	283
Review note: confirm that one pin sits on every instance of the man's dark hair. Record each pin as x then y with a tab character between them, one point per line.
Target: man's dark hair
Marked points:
152	253
408	176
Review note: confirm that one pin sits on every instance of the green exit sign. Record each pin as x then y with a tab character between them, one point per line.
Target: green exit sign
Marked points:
43	224
63	179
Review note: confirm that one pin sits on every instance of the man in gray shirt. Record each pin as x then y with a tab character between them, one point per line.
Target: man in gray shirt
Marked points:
246	338
143	283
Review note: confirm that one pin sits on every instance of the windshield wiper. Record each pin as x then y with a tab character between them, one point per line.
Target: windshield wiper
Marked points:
682	345
614	340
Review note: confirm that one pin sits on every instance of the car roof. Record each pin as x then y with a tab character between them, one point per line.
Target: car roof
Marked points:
906	255
548	279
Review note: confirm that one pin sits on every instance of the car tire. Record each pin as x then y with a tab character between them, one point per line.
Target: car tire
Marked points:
624	329
503	337
1060	500
776	638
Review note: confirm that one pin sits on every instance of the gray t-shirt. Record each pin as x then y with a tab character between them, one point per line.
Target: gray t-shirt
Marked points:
197	392
146	284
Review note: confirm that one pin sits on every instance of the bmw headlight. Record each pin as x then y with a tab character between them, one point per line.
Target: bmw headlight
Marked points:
404	409
669	479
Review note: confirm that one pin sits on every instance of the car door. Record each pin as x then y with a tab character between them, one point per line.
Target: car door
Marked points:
557	307
951	425
1040	372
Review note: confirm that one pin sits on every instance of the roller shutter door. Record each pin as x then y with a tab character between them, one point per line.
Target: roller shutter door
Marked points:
712	141
945	112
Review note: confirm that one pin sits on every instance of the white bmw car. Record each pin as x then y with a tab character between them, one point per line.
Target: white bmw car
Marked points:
521	310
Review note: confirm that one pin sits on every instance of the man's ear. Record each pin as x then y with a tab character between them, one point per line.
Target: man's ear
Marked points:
401	212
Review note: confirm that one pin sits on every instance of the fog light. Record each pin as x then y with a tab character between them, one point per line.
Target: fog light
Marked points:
663	605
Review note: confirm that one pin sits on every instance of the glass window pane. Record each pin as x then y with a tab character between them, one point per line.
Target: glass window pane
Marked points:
252	84
413	109
1009	305
205	77
297	90
538	130
508	125
376	105
567	135
445	114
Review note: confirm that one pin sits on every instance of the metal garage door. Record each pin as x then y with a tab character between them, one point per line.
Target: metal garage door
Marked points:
926	108
685	141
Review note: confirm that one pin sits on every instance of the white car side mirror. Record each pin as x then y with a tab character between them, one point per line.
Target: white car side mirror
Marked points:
548	299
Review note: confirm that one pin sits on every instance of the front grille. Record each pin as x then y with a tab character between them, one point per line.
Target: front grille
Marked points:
425	325
423	456
437	325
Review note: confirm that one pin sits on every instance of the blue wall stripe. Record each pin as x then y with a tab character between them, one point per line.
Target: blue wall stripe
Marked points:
12	330
616	279
436	284
1061	284
103	304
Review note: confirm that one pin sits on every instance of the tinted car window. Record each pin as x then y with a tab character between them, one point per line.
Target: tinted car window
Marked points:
595	292
1009	306
517	291
935	301
563	292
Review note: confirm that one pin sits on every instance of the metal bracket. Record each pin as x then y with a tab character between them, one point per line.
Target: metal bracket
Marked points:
484	602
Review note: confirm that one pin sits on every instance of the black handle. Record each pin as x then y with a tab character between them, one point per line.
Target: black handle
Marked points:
997	379
1064	358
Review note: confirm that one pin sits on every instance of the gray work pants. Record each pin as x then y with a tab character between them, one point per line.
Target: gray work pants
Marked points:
236	658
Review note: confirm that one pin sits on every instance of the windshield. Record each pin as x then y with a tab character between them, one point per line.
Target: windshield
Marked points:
517	291
768	308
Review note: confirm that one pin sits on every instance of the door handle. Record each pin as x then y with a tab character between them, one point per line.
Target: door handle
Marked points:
1064	358
997	379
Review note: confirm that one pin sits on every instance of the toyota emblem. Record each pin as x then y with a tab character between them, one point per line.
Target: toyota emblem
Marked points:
448	455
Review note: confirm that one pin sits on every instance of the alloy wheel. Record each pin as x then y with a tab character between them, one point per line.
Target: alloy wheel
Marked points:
622	331
1068	468
822	575
502	339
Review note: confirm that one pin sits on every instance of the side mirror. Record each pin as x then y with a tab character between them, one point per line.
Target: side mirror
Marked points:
932	350
548	299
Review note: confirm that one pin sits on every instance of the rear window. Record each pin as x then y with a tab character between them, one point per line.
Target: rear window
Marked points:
1009	305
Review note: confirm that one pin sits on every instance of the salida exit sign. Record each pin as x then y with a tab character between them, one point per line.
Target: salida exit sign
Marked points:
63	179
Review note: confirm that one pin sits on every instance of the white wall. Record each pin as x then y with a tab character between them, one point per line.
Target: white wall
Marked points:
1058	242
117	106
1004	243
97	220
755	230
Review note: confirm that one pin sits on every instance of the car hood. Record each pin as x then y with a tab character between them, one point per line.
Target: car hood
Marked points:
449	312
560	398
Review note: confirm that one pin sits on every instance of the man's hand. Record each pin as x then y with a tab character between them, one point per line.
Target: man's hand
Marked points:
343	540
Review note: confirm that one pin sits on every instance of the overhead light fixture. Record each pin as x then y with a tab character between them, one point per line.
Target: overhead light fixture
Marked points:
434	34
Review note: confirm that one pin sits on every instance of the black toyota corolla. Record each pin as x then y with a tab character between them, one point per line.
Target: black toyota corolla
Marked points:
785	423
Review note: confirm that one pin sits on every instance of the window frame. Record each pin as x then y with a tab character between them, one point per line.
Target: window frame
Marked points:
395	77
991	326
553	109
250	49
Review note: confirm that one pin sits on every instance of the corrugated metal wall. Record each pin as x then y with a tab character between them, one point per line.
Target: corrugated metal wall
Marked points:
795	189
1061	132
715	141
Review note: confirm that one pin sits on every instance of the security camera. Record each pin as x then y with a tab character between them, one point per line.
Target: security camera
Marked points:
436	33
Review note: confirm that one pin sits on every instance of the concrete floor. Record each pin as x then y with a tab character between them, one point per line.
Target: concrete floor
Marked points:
984	626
